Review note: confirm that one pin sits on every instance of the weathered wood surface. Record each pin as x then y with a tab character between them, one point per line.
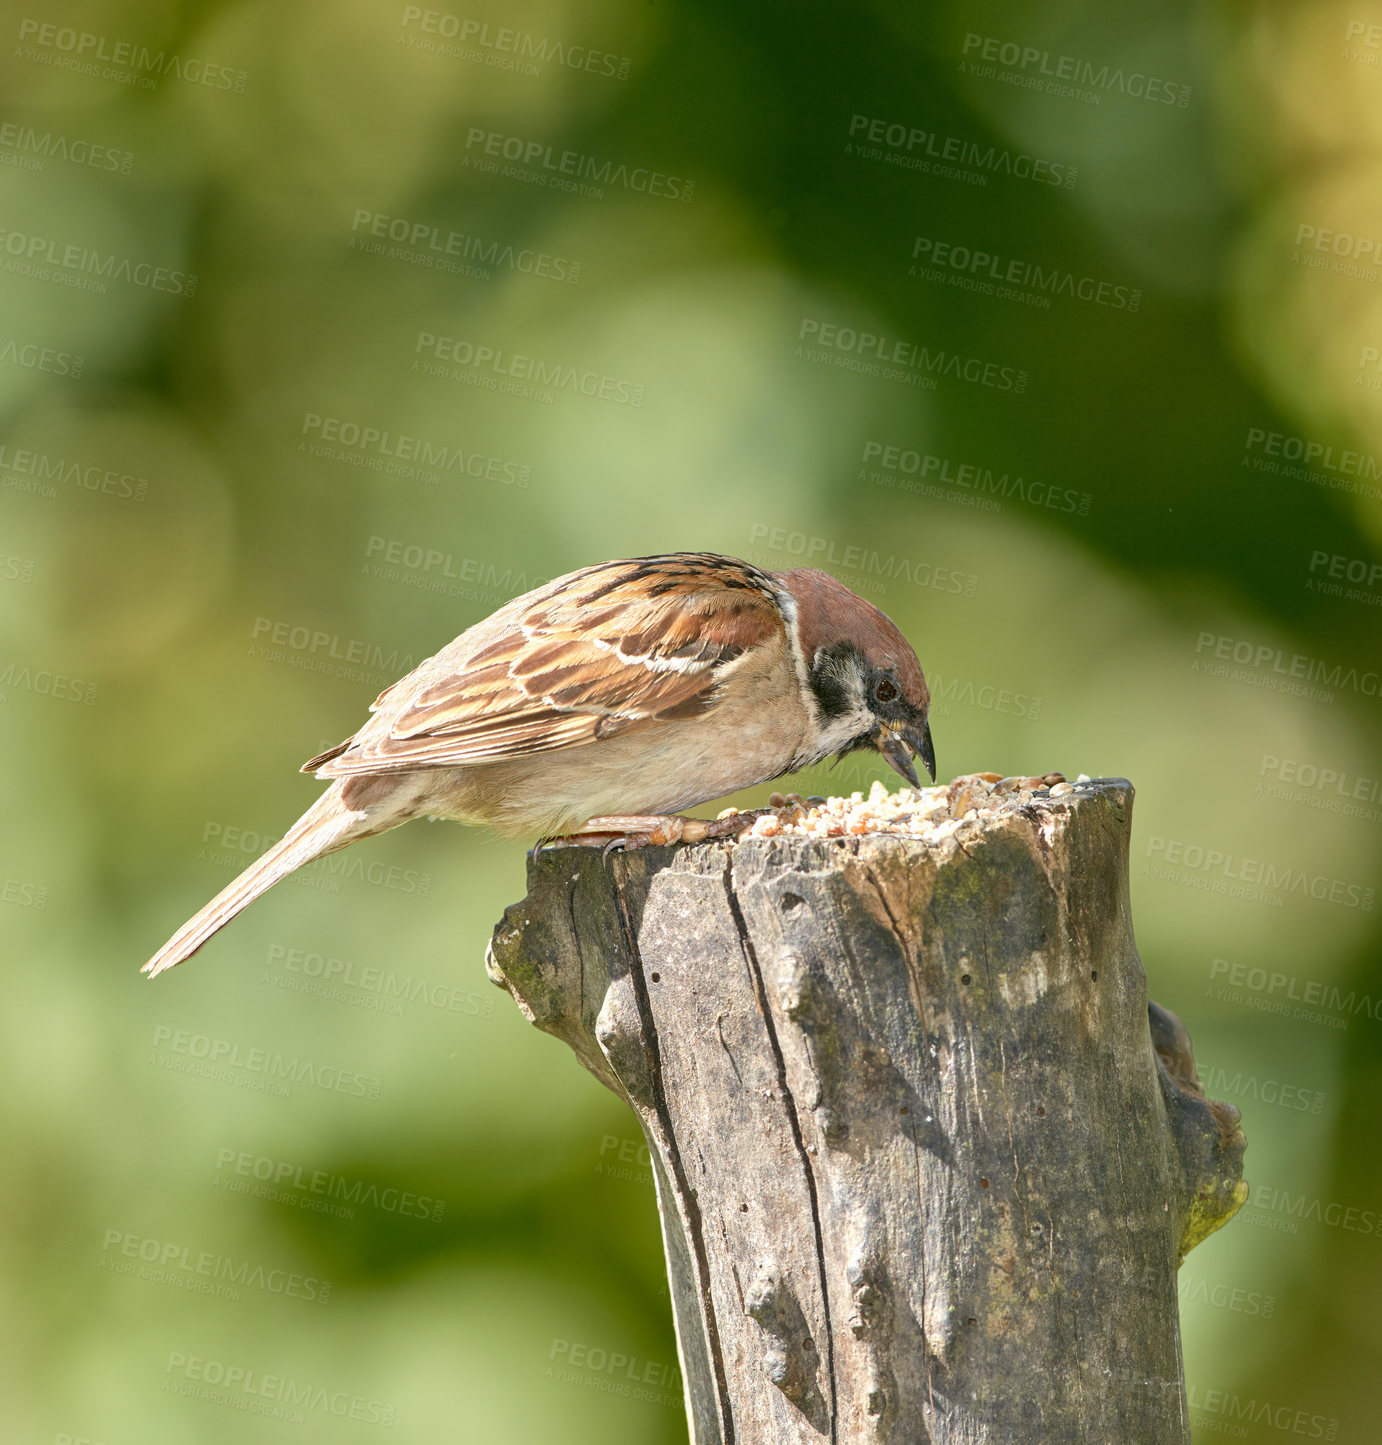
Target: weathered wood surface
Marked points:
923	1176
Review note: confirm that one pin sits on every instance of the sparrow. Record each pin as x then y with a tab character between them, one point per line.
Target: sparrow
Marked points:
593	708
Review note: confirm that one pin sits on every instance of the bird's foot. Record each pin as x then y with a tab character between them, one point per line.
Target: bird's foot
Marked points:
655	830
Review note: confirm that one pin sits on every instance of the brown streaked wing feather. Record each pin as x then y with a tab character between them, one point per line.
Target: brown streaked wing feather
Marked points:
312	764
615	647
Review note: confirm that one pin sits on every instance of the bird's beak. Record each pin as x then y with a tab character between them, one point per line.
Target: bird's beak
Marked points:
926	749
901	744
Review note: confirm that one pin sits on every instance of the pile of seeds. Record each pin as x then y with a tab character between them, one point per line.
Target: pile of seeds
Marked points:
928	813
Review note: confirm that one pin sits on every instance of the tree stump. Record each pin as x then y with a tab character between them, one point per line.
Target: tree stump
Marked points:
925	1172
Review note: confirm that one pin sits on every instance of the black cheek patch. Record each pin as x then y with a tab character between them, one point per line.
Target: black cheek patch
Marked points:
827	671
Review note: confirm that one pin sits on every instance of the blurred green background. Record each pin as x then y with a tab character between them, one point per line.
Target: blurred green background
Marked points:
326	328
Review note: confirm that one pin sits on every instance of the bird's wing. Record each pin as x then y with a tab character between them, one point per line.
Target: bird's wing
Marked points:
611	648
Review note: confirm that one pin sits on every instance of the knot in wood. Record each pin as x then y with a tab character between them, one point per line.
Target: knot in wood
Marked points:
790	1356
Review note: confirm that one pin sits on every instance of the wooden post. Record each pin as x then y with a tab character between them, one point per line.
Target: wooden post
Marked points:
925	1173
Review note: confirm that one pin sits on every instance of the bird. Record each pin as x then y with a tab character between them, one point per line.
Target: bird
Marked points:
593	708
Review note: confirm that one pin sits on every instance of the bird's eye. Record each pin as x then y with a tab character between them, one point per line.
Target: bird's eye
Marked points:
886	690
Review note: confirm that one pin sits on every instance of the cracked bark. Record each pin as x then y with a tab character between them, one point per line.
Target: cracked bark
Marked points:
926	1166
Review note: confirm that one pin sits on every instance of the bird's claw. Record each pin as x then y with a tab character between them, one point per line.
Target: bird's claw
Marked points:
625	833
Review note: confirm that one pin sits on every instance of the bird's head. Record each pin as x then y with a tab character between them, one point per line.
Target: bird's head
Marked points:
860	674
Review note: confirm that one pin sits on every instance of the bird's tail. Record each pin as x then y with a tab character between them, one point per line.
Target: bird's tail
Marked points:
327	825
